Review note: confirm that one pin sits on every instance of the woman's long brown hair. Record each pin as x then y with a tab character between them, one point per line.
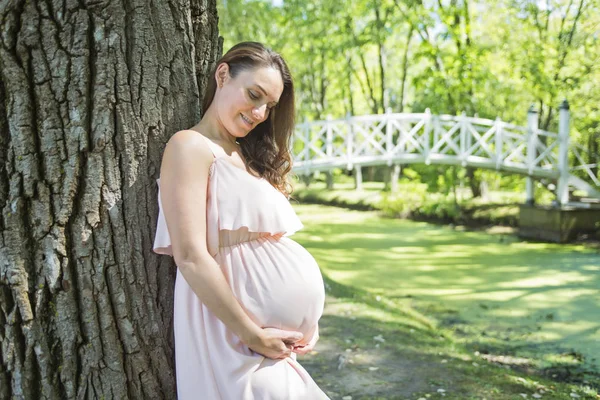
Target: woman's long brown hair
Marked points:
266	148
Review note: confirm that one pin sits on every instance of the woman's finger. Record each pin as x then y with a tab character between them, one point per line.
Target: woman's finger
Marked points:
301	351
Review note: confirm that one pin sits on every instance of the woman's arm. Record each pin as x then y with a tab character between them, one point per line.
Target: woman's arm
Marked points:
184	180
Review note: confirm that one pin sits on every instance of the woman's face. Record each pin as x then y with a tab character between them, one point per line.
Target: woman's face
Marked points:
244	102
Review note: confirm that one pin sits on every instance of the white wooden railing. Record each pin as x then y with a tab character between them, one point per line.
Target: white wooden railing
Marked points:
394	138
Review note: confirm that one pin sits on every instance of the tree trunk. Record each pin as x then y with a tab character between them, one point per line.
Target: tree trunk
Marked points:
405	68
593	148
474	183
89	94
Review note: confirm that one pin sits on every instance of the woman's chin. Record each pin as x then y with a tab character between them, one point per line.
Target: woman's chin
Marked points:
245	131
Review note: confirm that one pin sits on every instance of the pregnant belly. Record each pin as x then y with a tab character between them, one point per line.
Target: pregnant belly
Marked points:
277	281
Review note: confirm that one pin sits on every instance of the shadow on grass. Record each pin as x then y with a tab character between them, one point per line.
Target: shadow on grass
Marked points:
536	299
368	354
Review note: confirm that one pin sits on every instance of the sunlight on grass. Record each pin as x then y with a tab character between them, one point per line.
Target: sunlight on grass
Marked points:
554	280
591	268
511	313
491	280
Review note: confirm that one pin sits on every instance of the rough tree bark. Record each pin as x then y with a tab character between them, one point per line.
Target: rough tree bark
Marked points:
90	92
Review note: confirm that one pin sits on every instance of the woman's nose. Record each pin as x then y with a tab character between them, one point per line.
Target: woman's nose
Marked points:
260	112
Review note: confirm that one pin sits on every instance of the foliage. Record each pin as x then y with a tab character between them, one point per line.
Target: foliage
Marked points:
493	58
414	200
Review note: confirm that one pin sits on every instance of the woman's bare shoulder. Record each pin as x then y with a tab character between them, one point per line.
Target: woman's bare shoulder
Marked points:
189	139
189	147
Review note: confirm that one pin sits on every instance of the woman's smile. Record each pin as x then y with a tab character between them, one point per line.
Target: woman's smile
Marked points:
247	120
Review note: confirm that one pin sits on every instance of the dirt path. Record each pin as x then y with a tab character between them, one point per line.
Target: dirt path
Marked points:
364	353
354	358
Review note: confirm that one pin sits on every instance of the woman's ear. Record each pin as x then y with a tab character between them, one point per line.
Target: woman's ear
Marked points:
221	74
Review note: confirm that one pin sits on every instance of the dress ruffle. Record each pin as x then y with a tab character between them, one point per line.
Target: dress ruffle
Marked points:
266	211
162	240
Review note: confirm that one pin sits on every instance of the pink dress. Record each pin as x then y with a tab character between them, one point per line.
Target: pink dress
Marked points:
275	279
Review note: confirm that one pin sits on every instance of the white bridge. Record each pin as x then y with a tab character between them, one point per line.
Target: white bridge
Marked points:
396	139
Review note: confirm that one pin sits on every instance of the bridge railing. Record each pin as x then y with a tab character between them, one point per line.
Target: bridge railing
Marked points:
423	137
578	150
399	138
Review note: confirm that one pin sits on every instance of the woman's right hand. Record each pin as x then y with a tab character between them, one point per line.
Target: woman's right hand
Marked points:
275	343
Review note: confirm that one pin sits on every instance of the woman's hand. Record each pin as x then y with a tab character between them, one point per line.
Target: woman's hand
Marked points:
275	343
307	348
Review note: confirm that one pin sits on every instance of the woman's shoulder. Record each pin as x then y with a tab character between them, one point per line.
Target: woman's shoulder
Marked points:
189	147
190	141
188	137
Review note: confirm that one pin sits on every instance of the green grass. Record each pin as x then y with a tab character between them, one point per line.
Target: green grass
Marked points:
343	195
414	361
535	302
412	200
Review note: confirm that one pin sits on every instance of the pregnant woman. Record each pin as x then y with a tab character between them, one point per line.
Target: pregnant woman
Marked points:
247	298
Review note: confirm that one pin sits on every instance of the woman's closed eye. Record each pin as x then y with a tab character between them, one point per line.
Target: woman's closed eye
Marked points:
254	96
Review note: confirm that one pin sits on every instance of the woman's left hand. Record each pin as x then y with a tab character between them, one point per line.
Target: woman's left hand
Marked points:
308	347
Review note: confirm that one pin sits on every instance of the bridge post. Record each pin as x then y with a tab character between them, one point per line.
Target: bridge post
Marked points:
396	169
430	130
329	179
562	190
463	141
532	126
389	142
499	143
349	142
389	145
358	177
306	150
329	152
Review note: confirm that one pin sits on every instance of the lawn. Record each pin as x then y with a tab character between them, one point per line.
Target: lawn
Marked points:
529	306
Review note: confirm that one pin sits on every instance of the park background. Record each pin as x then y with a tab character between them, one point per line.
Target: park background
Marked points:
91	91
517	304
